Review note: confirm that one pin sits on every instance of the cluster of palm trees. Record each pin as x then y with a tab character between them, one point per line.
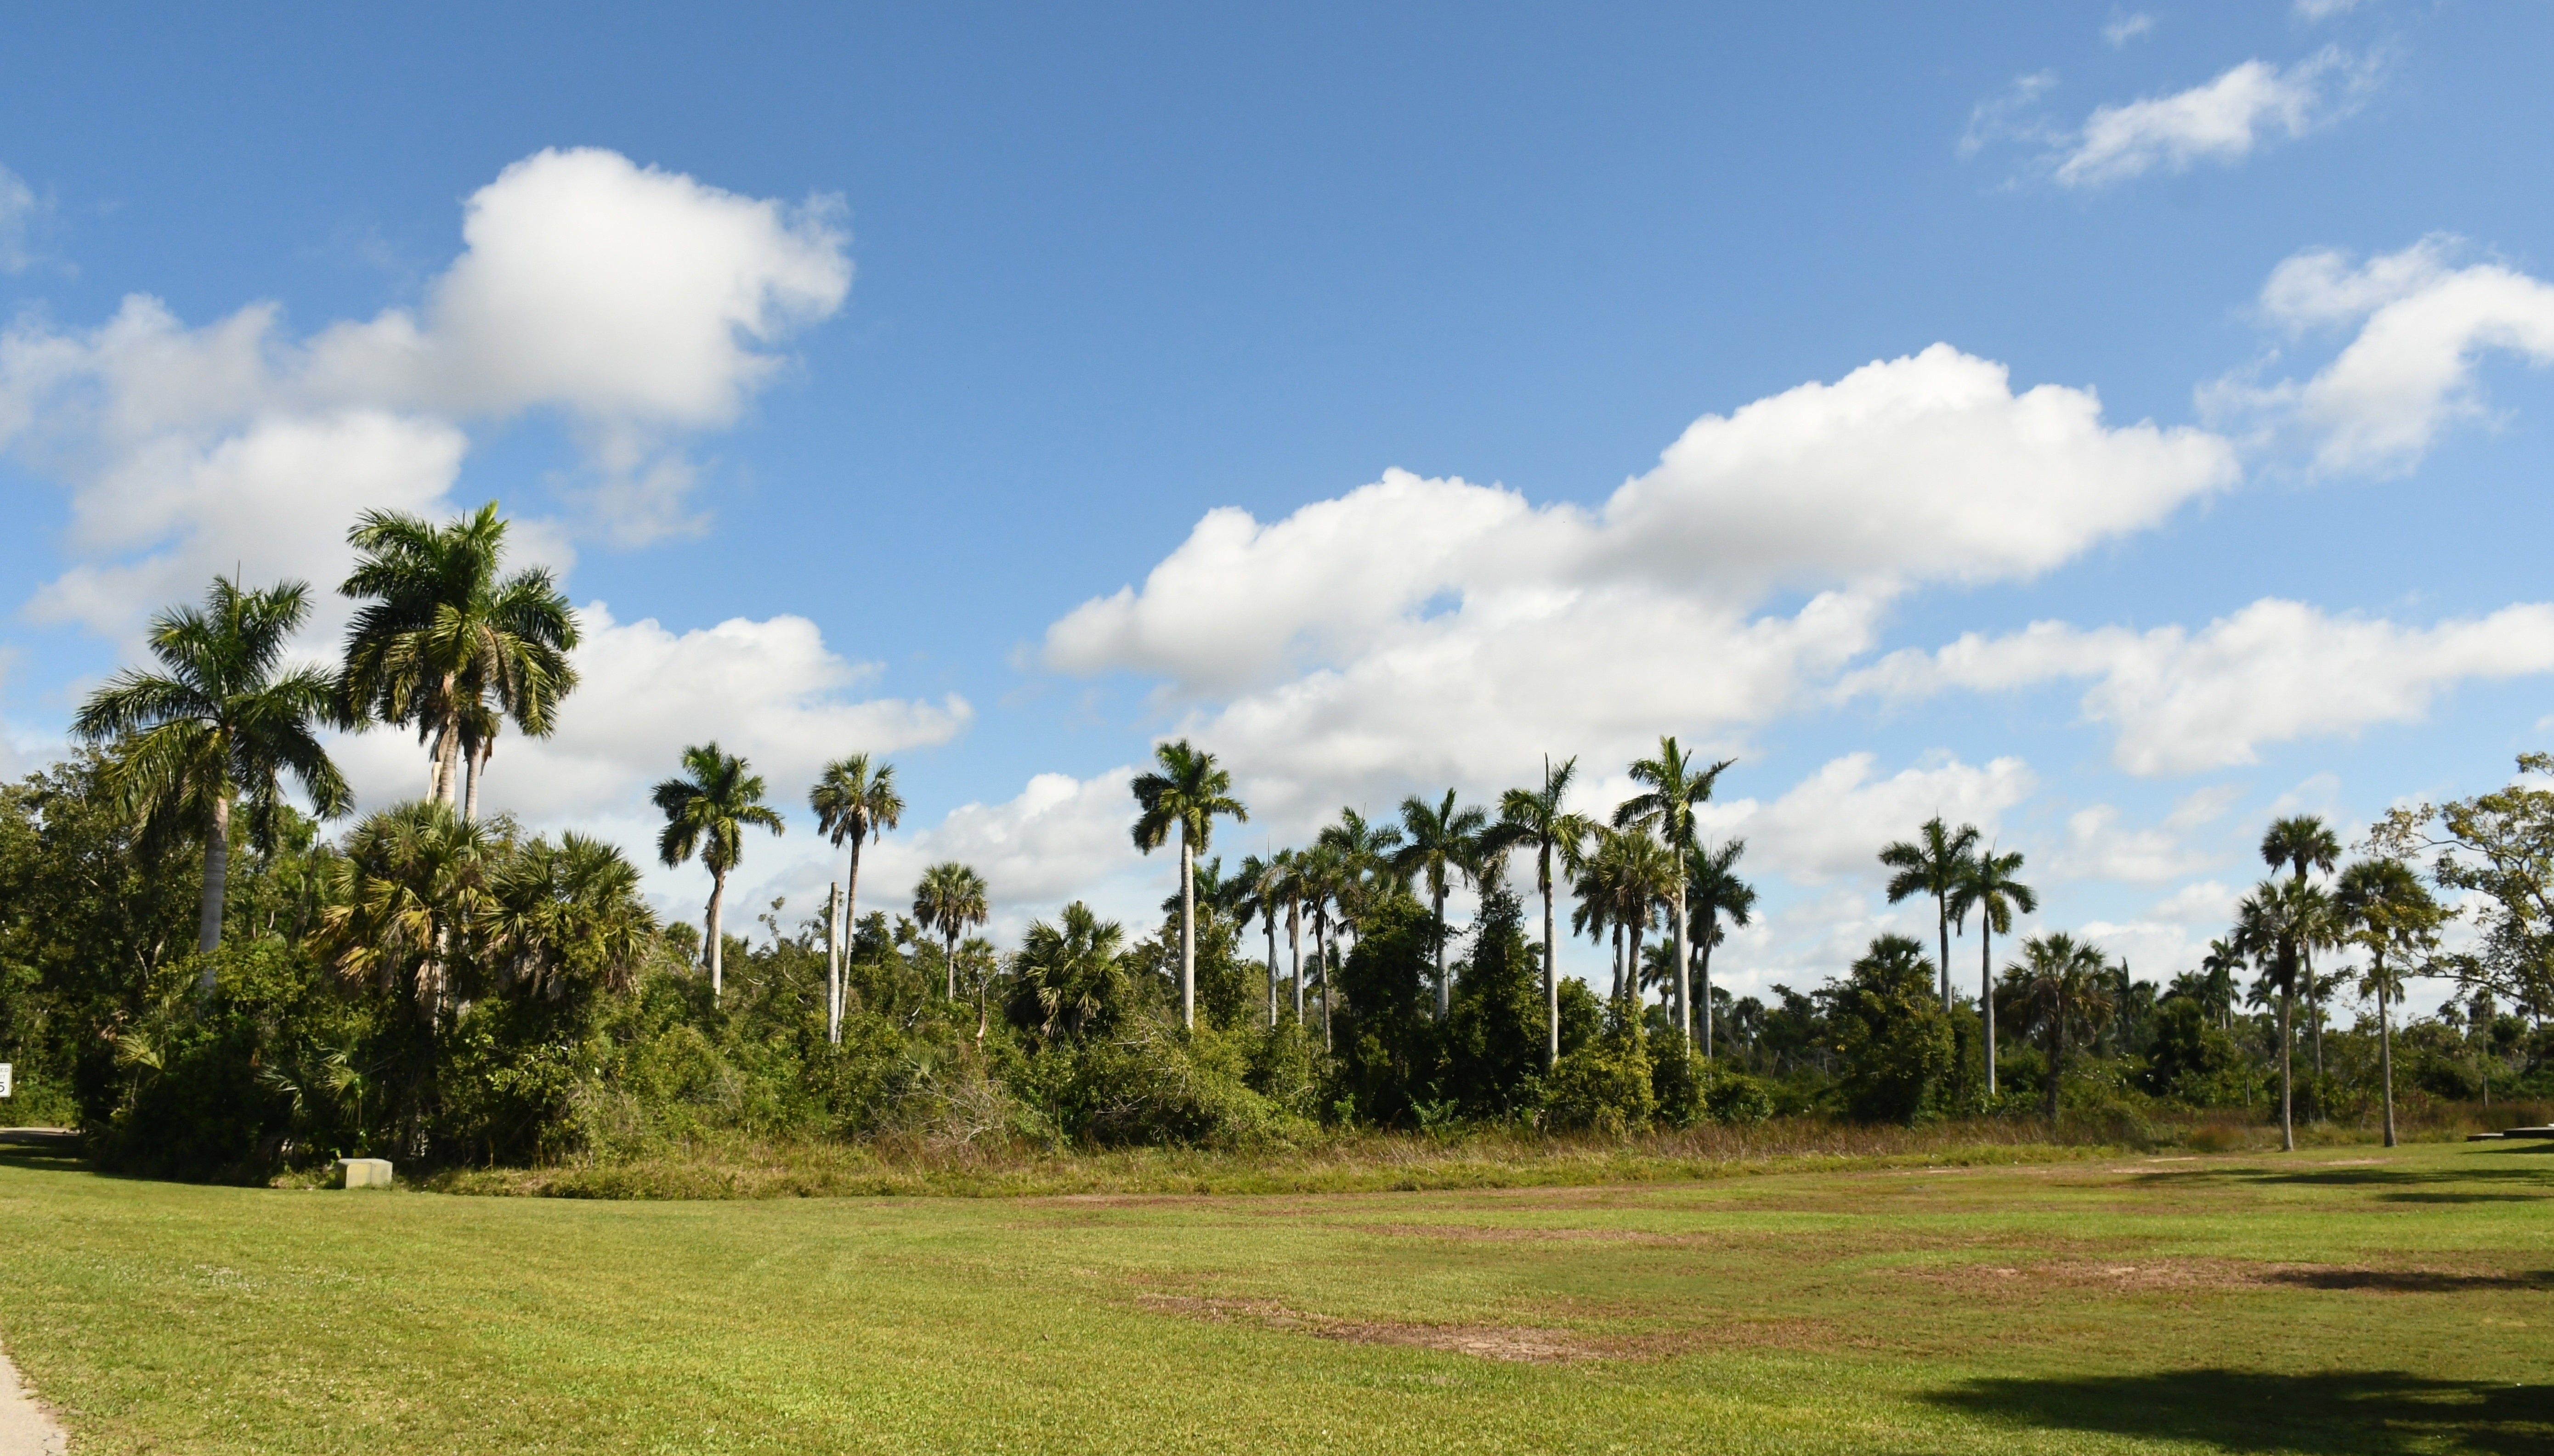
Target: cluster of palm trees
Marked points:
444	641
1644	867
1950	865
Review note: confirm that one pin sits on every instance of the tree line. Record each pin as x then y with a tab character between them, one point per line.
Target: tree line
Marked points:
444	985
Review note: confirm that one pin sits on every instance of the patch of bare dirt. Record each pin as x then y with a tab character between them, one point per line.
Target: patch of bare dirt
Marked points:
1486	1342
1474	1233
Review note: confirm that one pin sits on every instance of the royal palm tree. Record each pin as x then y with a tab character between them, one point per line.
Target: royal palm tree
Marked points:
1364	853
853	800
1535	818
1620	884
1935	862
2274	926
950	898
1677	786
1440	843
1323	876
1713	892
221	722
2302	842
1259	892
2384	908
1187	792
2218	970
1991	889
707	811
447	644
1291	884
2063	986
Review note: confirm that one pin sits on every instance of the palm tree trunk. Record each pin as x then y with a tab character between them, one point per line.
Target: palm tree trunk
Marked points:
1943	923
2056	1059
850	914
217	871
1445	999
1618	965
1551	973
478	764
833	965
1632	967
1295	952
2287	1123
1188	932
1268	921
716	949
1684	969
1985	995
2385	1049
1702	992
949	960
1328	958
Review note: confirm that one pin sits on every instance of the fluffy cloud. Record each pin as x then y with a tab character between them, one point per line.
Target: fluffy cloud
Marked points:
2183	702
770	690
1435	631
1831	825
2424	326
2122	29
639	304
2222	120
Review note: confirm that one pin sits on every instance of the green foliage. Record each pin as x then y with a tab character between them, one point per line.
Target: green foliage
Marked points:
2191	1057
1494	1037
1390	1055
1895	1041
1603	1087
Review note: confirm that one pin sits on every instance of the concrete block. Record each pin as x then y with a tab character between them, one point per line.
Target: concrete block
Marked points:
365	1172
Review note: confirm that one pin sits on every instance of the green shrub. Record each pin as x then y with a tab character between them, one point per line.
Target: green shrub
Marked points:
1604	1086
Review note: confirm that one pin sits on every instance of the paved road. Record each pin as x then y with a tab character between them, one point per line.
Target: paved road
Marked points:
26	1428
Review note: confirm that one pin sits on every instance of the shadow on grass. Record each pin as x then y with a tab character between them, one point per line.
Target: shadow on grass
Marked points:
40	1148
2366	1411
2400	1182
2412	1280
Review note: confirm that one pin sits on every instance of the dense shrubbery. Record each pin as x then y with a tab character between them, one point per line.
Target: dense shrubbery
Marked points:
560	1023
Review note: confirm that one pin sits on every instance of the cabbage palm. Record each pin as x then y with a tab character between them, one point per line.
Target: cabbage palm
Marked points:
1067	980
949	898
1714	891
1677	786
1188	792
1991	889
447	644
853	800
1440	843
2385	909
409	899
2274	924
1935	862
2064	984
222	721
569	912
707	811
1535	816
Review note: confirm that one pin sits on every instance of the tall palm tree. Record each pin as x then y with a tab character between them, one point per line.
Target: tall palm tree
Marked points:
1991	889
1364	852
1292	884
1712	891
2385	909
449	644
2218	970
1323	876
222	721
1259	893
1935	862
1533	817
707	811
1677	787
949	898
1068	977
1440	844
1187	792
2063	986
853	800
1620	884
2302	842
2274	924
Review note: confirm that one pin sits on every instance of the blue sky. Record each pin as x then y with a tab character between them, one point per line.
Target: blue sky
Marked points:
856	352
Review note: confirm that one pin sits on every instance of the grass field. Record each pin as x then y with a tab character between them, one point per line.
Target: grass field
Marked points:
2338	1300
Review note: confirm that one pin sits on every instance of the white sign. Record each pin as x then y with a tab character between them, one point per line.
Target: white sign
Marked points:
5	1069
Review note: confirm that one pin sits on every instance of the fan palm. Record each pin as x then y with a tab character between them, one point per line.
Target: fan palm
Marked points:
1991	889
1067	980
569	912
2384	908
707	811
1440	843
222	721
949	898
414	889
2062	986
853	800
1714	891
1935	862
449	644
2274	924
1535	816
1677	787
1187	792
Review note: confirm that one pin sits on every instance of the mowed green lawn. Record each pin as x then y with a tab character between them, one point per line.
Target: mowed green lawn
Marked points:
2336	1300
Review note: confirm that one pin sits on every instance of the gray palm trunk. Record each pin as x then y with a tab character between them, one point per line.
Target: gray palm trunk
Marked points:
1551	977
2057	1057
2385	1049
1684	976
1188	932
217	868
1986	994
950	957
1703	954
477	767
833	964
2287	1125
1444	1001
1632	967
850	918
1268	921
716	946
1942	918
1295	952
